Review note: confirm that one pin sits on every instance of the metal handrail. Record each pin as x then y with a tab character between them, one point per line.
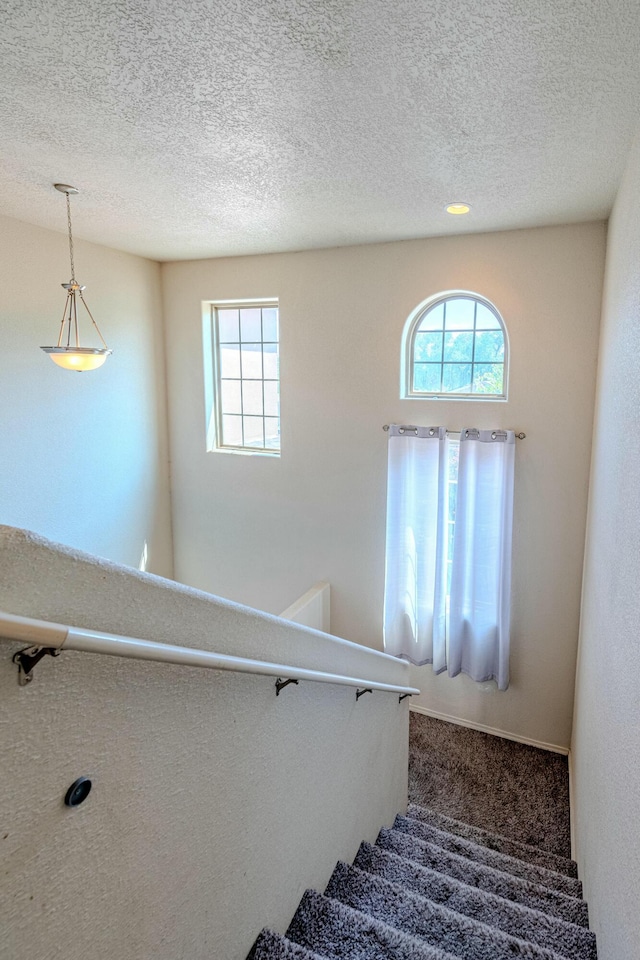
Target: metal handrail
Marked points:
55	638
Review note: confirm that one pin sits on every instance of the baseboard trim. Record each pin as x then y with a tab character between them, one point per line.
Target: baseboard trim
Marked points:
553	747
572	807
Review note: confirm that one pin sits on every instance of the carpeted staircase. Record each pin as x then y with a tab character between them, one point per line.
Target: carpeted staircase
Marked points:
433	888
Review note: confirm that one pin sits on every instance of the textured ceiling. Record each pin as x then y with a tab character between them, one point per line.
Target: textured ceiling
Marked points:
202	128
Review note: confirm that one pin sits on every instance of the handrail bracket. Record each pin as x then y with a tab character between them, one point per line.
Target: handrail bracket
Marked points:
27	659
403	696
361	693
281	684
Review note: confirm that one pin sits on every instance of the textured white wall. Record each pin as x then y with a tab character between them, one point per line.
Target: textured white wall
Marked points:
84	456
214	802
606	737
261	530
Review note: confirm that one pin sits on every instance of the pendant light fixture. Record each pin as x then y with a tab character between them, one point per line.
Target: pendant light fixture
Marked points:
68	353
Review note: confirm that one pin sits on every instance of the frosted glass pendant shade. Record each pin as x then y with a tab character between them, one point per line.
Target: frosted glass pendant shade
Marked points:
77	358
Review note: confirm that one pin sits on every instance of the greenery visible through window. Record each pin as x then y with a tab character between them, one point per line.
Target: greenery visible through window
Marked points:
246	377
455	344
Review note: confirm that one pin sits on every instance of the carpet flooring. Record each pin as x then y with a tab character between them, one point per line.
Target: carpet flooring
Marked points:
442	883
441	898
504	787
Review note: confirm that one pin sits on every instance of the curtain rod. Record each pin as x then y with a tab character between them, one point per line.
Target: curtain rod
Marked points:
519	435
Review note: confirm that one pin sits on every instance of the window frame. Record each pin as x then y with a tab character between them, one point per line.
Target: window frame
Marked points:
212	371
409	332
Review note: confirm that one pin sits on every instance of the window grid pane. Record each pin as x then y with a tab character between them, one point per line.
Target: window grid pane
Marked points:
228	326
473	352
247	392
231	397
458	347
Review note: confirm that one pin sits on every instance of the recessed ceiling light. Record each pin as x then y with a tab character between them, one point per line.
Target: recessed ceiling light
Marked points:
458	207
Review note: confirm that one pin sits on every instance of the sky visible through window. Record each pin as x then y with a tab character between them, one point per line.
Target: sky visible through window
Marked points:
458	347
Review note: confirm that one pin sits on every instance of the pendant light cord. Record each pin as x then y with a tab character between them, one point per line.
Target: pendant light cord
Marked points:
73	269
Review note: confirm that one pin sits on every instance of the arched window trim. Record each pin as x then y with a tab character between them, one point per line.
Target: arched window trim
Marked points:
408	345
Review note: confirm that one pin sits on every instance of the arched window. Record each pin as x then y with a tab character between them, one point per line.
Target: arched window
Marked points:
455	345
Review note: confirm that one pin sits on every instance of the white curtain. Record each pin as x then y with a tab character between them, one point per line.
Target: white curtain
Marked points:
480	600
415	580
473	637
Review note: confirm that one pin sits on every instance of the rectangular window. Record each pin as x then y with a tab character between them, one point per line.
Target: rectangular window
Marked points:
246	400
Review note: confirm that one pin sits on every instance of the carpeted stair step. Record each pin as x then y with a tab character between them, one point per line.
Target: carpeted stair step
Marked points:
421	918
490	858
505	885
513	848
273	946
566	939
338	932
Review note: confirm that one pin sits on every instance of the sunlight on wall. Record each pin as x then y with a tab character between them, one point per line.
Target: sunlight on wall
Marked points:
85	458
